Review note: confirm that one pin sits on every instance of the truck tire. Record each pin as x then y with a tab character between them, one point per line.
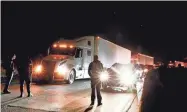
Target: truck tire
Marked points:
71	77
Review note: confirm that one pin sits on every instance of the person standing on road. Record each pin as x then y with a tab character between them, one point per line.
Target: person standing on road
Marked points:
11	69
94	70
25	75
180	66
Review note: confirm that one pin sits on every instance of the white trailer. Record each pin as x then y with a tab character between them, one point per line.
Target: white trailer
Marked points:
69	59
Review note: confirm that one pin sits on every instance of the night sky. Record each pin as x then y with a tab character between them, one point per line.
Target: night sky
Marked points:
155	28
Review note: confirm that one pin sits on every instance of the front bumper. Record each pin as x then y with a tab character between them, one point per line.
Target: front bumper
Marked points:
40	77
113	84
47	77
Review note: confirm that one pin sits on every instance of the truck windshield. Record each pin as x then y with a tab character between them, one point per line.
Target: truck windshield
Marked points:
62	51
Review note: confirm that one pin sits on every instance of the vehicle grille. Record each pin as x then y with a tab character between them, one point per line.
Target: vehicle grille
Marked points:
114	80
49	67
56	76
115	76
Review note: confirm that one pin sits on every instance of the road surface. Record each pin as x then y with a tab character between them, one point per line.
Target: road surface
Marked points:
64	98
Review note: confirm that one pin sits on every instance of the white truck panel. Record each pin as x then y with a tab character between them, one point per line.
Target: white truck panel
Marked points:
83	42
110	53
145	60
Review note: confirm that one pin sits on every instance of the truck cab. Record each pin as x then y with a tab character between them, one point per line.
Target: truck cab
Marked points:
66	61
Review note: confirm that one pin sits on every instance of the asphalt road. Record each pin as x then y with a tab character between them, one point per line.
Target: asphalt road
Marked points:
64	98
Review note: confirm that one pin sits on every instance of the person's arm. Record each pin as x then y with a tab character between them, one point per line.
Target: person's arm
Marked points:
102	69
89	69
11	64
30	66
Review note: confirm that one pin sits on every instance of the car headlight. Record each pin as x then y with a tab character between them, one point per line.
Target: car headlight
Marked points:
127	77
139	71
38	69
104	76
61	70
145	70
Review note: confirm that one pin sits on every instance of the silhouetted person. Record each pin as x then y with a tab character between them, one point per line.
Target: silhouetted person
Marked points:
11	67
174	81
94	70
25	75
150	92
179	65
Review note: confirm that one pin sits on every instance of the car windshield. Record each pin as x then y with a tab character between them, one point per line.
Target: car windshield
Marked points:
117	66
121	67
62	51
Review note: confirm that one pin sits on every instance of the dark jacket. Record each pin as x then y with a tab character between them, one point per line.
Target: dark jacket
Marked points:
95	68
24	67
7	64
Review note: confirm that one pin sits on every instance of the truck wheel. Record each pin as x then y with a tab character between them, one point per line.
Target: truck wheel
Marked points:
71	78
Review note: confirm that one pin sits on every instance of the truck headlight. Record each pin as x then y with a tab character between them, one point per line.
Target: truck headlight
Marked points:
127	77
104	76
38	69
61	70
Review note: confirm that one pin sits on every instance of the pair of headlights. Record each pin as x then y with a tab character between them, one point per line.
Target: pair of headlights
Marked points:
126	78
61	70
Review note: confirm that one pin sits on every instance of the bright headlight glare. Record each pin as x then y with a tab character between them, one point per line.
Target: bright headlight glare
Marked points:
139	71
127	77
146	70
38	69
127	80
61	70
104	76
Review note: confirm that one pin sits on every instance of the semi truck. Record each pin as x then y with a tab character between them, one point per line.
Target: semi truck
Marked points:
142	59
176	64
146	62
68	60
